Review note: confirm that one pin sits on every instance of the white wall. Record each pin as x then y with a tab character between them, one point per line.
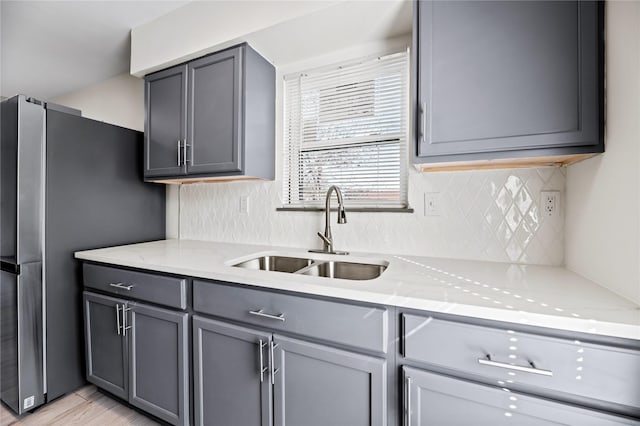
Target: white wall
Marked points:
118	100
486	215
603	206
202	27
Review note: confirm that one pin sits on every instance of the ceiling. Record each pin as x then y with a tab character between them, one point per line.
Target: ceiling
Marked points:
49	48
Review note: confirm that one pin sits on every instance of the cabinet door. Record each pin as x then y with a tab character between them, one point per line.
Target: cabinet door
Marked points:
231	376
435	400
499	76
106	348
316	385
158	348
214	131
165	123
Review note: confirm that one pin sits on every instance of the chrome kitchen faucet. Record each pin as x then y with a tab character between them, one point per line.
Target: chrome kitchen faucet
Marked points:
327	238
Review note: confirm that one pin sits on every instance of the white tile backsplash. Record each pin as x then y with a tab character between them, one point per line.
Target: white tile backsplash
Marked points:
484	215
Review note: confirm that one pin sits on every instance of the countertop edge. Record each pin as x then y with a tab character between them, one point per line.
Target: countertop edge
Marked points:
578	325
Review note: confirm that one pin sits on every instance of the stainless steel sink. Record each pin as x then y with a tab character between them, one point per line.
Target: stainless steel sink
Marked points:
344	270
356	270
276	263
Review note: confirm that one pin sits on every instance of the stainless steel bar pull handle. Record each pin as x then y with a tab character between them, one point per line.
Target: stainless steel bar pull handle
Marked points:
423	121
532	369
184	153
118	317
272	361
124	320
261	313
122	286
263	369
179	143
407	416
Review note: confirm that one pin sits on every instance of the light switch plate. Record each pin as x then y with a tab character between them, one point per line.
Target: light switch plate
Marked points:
432	204
244	204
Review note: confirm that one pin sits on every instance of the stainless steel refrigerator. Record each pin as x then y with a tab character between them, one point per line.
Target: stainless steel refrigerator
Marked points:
67	183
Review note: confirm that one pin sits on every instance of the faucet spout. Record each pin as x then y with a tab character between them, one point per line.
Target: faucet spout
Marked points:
327	238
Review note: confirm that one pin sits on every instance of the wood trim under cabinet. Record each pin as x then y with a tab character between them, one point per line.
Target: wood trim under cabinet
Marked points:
506	163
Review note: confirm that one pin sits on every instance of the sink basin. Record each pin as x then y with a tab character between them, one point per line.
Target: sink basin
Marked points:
276	263
344	270
317	267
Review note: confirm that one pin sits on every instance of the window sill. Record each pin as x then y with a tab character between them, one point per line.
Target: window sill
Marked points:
349	210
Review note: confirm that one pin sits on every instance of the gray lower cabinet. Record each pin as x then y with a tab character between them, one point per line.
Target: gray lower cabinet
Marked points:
502	79
139	353
106	348
231	376
437	400
244	376
317	385
158	362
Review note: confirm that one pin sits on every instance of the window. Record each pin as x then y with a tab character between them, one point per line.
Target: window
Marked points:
346	126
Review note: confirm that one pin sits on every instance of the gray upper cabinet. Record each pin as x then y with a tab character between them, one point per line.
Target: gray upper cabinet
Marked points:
214	131
232	386
499	79
165	126
106	348
210	118
436	400
316	385
158	360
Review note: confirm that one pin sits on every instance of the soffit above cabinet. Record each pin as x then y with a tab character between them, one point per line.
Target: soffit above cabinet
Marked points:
270	28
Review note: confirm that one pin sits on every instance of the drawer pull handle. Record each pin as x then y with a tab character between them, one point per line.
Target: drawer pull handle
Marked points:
532	369
261	313
122	286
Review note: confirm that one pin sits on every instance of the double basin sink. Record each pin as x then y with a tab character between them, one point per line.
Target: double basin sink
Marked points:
317	267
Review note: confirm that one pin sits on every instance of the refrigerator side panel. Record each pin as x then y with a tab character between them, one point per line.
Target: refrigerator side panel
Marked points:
9	336
95	197
21	235
30	181
8	179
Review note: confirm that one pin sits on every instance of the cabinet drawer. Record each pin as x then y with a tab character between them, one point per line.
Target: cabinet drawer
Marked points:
160	289
358	326
598	372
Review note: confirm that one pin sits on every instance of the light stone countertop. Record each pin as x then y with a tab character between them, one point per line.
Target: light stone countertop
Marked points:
542	296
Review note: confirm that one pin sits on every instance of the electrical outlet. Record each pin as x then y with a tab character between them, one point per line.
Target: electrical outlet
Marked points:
244	204
432	204
550	203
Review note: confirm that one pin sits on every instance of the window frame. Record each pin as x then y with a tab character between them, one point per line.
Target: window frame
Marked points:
291	172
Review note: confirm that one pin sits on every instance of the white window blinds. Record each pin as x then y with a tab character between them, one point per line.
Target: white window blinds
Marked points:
347	126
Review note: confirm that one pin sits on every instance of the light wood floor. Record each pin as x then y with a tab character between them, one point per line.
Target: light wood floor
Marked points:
86	406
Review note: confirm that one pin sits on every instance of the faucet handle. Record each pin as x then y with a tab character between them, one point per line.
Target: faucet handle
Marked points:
325	239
